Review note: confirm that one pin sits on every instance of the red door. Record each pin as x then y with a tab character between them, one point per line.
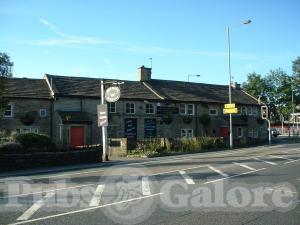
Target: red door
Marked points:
224	132
77	136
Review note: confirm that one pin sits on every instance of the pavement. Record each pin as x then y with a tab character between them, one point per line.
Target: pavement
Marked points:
252	186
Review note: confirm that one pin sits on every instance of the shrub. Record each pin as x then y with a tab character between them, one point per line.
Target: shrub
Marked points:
32	140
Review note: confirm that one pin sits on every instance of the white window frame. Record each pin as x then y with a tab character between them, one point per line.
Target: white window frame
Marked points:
193	109
244	110
11	111
27	130
182	109
213	114
130	108
43	113
110	107
185	133
255	111
250	132
249	111
240	134
150	108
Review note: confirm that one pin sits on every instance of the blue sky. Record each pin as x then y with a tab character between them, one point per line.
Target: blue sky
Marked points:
112	38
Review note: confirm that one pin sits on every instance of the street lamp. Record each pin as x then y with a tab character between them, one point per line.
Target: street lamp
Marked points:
230	80
192	75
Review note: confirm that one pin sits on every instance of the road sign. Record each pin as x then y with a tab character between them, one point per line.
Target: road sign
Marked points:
229	106
112	94
102	115
230	111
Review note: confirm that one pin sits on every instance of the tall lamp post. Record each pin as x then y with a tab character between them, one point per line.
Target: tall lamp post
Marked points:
230	80
193	75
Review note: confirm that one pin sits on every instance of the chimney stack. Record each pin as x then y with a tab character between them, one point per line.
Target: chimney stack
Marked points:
236	86
144	74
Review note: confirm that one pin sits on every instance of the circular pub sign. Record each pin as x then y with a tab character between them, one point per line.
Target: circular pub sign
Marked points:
112	94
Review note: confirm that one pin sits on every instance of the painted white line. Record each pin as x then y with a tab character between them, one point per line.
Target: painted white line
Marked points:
187	179
245	166
280	157
295	160
265	161
35	207
218	171
84	210
46	191
146	186
174	171
95	201
237	175
285	191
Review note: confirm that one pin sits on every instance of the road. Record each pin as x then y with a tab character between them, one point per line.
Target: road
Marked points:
250	186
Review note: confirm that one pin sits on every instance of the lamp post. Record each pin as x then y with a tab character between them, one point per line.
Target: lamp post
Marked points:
193	75
230	80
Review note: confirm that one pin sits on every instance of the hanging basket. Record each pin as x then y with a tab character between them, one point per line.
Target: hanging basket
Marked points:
187	119
28	118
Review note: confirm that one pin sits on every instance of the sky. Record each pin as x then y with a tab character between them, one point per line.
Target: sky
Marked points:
112	38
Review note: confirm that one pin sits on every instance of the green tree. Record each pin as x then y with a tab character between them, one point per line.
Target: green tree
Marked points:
256	86
280	92
5	72
296	67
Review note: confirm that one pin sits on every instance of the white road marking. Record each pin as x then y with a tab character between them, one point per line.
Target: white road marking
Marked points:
47	191
280	157
84	210
187	179
218	171
245	166
146	186
35	207
95	201
265	161
237	175
295	160
173	171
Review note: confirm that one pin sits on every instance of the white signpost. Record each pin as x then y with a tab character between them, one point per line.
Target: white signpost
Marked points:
112	94
102	115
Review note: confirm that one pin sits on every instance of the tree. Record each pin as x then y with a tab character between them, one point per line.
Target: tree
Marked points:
5	72
256	86
296	67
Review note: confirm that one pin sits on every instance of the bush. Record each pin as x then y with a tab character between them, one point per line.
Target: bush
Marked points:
32	140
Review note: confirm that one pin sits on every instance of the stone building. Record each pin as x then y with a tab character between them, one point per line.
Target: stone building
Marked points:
29	107
151	108
66	109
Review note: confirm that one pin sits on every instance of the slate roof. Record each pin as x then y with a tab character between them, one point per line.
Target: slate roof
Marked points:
26	88
90	87
151	90
199	92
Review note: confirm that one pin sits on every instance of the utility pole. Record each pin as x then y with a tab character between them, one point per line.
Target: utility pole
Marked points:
104	128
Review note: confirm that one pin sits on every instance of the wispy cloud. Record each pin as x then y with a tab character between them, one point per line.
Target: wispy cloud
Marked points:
66	39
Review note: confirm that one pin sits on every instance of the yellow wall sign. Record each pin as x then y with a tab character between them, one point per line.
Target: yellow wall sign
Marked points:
231	110
229	106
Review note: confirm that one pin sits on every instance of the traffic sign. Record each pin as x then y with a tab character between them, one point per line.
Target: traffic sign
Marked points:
112	94
229	106
102	115
230	111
